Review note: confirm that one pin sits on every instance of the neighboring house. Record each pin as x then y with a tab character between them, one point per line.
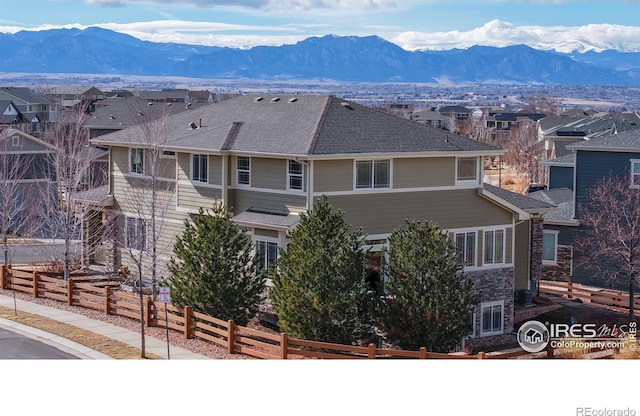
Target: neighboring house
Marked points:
72	96
616	154
198	97
167	95
269	157
458	111
10	116
429	118
33	157
35	108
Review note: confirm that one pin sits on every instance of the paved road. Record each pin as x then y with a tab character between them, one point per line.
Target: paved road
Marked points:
17	346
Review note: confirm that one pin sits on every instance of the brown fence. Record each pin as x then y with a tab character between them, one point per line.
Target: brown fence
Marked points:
104	296
602	298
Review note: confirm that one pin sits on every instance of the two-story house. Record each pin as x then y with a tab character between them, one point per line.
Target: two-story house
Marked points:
570	179
268	157
35	108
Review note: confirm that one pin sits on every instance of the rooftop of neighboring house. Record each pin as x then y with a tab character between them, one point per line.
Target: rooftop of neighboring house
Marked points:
70	89
625	141
453	109
25	95
566	160
304	125
174	95
199	95
562	198
119	113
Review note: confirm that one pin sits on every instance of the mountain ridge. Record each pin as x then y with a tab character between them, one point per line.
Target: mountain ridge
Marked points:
96	50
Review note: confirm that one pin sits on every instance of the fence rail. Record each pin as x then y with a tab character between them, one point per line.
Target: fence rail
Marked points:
602	298
102	295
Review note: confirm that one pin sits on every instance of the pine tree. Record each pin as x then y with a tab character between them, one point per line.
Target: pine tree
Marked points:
429	300
214	271
317	286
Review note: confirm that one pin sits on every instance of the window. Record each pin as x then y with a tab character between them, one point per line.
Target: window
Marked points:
494	247
472	332
244	170
549	247
137	161
267	253
492	313
15	141
635	173
467	169
136	232
294	174
199	164
373	174
466	245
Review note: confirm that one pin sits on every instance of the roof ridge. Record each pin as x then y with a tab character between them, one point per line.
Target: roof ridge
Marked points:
323	117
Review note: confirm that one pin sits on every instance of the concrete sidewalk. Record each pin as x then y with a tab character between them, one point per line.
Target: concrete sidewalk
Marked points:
152	345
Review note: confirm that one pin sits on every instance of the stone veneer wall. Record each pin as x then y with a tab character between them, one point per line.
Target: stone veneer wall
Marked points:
562	270
536	249
494	285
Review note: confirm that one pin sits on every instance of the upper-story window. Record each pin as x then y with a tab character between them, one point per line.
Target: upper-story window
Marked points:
294	175
244	170
373	174
136	164
467	169
635	173
199	168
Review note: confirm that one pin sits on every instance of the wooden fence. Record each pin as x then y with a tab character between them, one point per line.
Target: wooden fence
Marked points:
105	296
602	298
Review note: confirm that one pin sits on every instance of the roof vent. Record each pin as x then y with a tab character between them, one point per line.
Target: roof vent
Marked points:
112	117
169	104
150	103
257	99
188	105
140	113
275	99
193	126
346	105
292	100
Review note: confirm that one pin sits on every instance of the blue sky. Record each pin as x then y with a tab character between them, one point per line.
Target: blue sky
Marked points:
413	24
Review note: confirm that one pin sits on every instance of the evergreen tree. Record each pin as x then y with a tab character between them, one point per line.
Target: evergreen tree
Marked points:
429	300
317	286
214	271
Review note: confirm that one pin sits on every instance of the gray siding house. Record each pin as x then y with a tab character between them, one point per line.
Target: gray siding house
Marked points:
269	157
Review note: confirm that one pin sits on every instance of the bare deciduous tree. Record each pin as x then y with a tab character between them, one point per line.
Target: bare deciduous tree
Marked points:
68	167
522	152
608	240
541	103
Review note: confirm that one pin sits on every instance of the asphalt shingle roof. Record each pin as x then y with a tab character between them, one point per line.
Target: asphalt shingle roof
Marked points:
628	140
292	124
524	202
562	198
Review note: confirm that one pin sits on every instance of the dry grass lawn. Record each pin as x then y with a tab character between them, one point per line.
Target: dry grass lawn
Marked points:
100	343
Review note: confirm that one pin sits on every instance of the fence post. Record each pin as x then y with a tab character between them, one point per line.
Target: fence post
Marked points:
35	284
69	292
569	290
231	348
481	355
422	353
284	345
187	322
371	354
106	300
148	307
550	351
2	274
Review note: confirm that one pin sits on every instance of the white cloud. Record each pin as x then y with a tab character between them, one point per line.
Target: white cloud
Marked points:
497	33
289	5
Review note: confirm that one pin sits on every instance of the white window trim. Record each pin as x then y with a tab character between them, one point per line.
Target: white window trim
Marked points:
238	171
290	175
504	246
632	182
259	238
131	172
484	305
372	187
472	334
475	248
193	179
467	181
555	233
15	141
